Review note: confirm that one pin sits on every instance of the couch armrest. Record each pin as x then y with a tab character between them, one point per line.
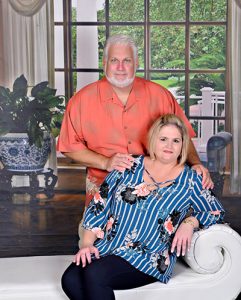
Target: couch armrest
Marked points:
214	249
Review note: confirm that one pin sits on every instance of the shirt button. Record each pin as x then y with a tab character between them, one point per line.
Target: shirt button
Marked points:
125	127
129	142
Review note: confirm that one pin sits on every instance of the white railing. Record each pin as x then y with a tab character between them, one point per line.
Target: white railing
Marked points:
211	104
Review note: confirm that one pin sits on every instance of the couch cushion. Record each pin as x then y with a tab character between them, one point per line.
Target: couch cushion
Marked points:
38	278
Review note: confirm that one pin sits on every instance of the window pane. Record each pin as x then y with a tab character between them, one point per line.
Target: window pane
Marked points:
100	10
173	82
137	33
58	47
207	47
59	83
208	10
172	10
207	95
87	46
81	79
140	74
58	10
198	81
126	10
86	11
167	47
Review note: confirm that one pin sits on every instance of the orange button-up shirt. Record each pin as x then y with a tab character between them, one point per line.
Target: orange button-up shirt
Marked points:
96	119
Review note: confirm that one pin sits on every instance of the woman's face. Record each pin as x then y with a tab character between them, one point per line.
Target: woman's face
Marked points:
168	145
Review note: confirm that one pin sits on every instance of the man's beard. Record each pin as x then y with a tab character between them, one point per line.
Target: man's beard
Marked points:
120	83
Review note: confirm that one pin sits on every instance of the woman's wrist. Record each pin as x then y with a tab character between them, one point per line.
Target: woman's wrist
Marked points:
191	222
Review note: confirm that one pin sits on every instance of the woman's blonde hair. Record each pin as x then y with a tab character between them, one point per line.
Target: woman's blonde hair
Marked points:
164	120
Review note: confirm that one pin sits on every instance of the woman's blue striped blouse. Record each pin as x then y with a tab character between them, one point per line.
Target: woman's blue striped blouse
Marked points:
139	225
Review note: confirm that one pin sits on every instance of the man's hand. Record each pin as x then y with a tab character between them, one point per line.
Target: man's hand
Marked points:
207	182
194	161
119	162
85	254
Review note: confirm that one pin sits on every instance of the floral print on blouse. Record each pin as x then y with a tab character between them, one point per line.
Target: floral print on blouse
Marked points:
138	225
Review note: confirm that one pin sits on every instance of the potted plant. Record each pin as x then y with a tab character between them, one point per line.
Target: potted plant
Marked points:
28	118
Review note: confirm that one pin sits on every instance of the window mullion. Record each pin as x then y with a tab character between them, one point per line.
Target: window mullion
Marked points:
67	6
147	47
187	58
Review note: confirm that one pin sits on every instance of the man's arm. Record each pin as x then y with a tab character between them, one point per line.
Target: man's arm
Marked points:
192	157
194	160
88	158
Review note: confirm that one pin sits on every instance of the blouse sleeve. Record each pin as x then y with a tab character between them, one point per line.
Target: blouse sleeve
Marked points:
206	207
97	213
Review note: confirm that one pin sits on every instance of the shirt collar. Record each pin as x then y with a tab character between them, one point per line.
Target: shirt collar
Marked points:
106	91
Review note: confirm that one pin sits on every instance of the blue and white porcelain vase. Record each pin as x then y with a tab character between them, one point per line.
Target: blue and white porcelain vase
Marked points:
17	155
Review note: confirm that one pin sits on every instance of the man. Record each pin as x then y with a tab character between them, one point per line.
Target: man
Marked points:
107	121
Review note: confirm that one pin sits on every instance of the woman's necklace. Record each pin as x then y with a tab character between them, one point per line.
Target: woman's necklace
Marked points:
156	183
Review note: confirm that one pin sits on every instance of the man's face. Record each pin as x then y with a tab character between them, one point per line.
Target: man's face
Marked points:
121	66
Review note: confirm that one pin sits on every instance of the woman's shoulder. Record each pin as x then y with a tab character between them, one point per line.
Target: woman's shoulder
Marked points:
192	174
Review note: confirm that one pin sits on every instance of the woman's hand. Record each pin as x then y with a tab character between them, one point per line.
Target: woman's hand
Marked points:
85	254
183	236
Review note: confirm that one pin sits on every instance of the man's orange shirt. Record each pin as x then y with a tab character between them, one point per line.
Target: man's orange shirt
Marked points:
96	119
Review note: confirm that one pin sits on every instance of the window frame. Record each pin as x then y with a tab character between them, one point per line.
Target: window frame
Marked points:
68	69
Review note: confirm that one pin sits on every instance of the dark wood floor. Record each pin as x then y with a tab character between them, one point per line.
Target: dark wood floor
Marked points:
42	226
49	226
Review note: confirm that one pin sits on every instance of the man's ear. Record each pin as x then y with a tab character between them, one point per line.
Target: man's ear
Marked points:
103	62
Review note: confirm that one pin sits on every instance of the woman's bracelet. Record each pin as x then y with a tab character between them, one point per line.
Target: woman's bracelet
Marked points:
189	221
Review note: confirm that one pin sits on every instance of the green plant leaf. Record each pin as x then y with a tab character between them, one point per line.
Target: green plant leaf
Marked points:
35	114
20	87
39	88
4	94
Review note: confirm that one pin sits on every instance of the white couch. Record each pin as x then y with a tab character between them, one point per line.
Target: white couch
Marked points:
213	272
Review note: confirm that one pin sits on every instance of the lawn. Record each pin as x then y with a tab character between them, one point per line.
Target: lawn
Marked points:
167	82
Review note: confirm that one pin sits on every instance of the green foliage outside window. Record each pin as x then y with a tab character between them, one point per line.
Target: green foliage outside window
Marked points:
167	42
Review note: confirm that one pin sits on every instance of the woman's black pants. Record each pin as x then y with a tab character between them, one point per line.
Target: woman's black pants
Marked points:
98	280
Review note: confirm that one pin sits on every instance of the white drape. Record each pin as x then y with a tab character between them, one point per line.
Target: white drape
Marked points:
235	186
238	2
27	7
28	42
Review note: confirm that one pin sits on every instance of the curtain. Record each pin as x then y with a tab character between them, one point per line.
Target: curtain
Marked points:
238	3
28	40
1	47
235	184
27	7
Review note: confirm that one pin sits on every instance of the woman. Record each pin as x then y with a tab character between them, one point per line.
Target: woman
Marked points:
132	235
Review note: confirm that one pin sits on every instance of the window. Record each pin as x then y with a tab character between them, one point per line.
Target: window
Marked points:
182	46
